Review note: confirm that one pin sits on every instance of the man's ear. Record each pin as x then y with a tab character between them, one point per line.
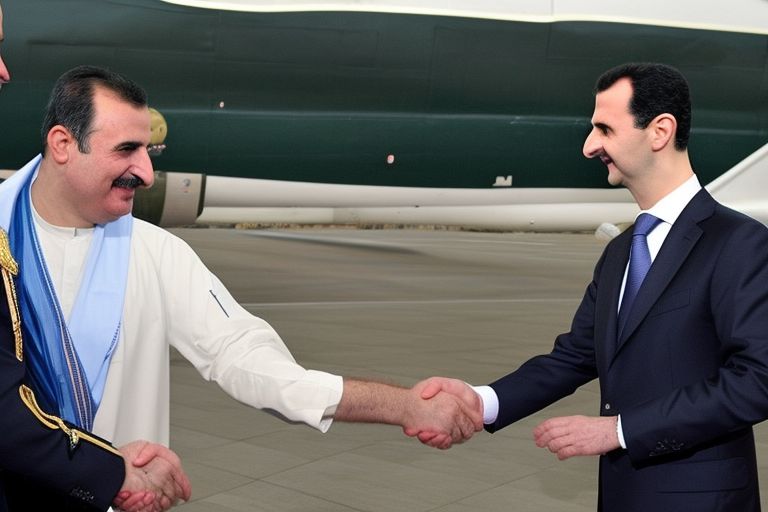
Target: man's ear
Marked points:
60	143
663	130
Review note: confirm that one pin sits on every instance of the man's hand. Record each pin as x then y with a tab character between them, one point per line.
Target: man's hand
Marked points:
154	479
443	392
578	435
447	418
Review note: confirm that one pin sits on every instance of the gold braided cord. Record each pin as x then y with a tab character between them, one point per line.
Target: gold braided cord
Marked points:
9	268
6	259
54	422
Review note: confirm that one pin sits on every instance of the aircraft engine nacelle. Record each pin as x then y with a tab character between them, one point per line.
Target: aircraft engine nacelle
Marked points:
176	199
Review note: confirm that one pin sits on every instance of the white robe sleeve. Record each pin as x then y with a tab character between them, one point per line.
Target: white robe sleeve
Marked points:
237	350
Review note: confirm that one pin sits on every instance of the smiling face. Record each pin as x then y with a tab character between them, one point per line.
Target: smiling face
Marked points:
623	148
117	141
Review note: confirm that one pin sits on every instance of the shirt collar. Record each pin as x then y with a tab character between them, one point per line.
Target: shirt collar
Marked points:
668	209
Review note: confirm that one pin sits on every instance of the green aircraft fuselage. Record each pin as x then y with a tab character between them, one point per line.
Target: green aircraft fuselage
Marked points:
328	96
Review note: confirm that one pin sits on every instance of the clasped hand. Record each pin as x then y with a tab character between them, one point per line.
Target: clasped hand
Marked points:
448	412
154	479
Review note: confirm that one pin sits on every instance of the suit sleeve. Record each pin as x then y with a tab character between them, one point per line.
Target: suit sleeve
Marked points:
39	448
734	397
545	379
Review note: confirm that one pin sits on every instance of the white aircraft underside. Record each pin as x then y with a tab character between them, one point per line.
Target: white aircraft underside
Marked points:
750	16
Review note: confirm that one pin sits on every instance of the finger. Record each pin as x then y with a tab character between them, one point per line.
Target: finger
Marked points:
561	443
441	442
474	413
567	453
458	421
173	487
554	435
165	502
432	387
447	443
471	405
163	477
551	429
542	428
137	501
457	436
466	425
147	453
457	388
183	485
178	486
186	486
120	498
425	436
182	489
410	432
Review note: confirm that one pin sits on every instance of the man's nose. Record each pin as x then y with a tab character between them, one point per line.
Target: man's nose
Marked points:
143	168
592	146
5	75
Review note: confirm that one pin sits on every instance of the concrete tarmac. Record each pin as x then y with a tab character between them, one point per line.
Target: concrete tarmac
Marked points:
398	305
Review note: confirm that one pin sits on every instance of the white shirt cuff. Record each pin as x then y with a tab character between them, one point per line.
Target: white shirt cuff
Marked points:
620	432
490	403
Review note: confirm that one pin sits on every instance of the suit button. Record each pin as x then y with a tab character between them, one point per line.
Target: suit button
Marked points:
607	407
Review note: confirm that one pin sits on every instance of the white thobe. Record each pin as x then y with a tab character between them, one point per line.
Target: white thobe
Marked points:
172	298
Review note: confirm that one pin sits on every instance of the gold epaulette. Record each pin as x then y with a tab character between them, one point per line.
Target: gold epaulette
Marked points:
9	268
6	259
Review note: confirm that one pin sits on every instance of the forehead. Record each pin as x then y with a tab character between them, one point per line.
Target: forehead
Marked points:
114	115
109	103
614	101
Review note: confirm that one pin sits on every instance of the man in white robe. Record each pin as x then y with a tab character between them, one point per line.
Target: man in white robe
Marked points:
48	464
95	140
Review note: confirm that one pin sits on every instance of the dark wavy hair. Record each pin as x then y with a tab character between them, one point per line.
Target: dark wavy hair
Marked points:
71	101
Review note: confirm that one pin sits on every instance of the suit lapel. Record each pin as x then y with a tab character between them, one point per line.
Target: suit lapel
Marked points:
679	242
609	288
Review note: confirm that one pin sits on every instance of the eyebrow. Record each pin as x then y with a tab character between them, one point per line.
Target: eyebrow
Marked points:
129	145
602	126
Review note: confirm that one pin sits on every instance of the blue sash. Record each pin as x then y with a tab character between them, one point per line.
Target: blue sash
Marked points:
67	360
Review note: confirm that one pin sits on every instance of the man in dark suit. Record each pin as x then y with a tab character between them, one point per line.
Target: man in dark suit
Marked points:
681	354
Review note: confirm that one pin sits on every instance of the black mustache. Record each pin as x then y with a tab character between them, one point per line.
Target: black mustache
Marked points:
128	183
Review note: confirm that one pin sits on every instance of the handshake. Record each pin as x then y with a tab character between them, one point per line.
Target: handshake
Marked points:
446	411
154	479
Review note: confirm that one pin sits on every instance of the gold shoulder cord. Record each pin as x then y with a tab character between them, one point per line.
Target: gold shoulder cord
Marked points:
9	268
54	422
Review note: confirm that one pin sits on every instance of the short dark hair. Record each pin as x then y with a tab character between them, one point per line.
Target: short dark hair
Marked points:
71	101
656	89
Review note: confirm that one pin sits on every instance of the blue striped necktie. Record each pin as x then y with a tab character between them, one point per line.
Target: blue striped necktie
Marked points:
639	263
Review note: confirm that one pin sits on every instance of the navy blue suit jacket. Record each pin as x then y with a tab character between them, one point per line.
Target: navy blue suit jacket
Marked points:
689	375
40	468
